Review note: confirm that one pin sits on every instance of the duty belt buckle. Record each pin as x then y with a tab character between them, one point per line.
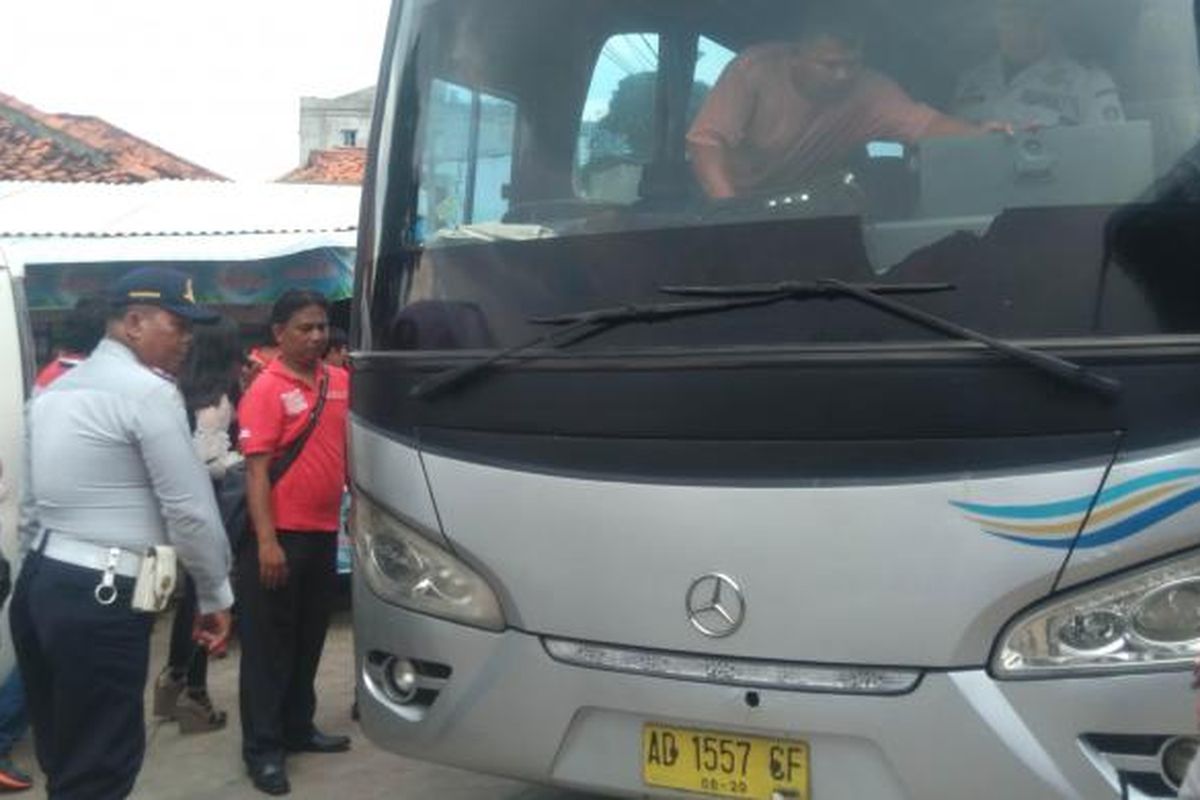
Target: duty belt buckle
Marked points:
106	591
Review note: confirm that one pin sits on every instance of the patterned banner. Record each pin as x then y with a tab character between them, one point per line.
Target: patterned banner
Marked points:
327	270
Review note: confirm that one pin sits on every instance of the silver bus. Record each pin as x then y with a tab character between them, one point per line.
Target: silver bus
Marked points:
878	480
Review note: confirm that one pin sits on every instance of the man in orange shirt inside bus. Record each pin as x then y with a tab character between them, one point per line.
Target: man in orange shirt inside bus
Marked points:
783	114
293	435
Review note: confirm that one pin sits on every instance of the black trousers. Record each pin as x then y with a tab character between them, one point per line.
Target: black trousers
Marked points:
84	667
185	656
282	634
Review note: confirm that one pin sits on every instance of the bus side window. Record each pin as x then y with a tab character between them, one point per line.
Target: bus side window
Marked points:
616	135
467	159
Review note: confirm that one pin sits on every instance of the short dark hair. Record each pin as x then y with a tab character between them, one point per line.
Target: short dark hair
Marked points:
338	338
84	326
294	300
844	21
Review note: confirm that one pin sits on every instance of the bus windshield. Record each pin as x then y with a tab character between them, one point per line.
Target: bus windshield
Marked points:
548	157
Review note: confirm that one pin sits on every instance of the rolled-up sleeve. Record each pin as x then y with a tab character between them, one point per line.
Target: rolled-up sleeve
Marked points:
897	115
185	495
726	112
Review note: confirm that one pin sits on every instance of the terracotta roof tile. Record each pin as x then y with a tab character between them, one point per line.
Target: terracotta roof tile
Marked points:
342	165
36	146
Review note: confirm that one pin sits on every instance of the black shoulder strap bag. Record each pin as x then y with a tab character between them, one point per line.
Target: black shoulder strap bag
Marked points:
231	496
281	465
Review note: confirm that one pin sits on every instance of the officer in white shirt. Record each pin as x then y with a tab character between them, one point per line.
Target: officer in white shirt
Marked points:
111	471
1031	81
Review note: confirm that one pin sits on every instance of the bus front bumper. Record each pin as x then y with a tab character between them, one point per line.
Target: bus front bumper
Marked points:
498	703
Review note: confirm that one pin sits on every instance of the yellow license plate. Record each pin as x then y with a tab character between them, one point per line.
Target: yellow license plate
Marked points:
725	764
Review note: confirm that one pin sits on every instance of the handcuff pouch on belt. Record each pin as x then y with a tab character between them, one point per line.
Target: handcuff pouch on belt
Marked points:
155	582
156	579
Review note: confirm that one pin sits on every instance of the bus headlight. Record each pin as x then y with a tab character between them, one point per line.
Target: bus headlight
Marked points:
1145	620
406	568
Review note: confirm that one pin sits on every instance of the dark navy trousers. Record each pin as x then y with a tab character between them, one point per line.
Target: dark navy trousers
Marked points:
84	666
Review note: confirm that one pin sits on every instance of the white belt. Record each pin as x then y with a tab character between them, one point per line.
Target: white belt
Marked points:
92	556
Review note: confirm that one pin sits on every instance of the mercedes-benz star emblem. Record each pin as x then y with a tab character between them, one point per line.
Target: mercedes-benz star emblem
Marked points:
715	605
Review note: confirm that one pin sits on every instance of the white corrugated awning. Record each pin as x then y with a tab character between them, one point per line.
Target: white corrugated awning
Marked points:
231	247
172	220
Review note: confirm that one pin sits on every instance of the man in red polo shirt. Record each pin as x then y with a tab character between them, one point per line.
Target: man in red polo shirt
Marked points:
287	569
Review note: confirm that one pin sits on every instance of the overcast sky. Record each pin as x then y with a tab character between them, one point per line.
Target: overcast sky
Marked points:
217	82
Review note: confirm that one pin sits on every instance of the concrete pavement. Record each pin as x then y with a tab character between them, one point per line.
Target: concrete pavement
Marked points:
204	766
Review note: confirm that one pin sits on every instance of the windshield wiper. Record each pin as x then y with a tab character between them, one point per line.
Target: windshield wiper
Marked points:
875	295
800	290
572	328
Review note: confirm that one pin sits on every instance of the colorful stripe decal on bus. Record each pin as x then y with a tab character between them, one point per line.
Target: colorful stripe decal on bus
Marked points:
1121	511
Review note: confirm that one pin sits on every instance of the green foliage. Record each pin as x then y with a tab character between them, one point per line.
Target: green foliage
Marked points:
627	129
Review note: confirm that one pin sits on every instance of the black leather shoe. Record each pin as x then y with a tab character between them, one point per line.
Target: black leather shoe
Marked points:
269	777
321	743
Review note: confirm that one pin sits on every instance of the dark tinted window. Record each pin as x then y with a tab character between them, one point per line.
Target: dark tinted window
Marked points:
553	173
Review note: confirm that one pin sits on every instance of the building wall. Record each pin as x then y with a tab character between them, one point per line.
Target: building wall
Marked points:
323	120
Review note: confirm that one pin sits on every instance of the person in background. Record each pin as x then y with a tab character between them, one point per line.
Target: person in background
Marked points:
13	716
111	471
257	359
14	721
83	330
293	414
338	354
1031	81
181	689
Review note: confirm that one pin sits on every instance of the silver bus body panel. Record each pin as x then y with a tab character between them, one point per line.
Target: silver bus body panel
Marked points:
1150	508
393	475
509	709
882	575
571	557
